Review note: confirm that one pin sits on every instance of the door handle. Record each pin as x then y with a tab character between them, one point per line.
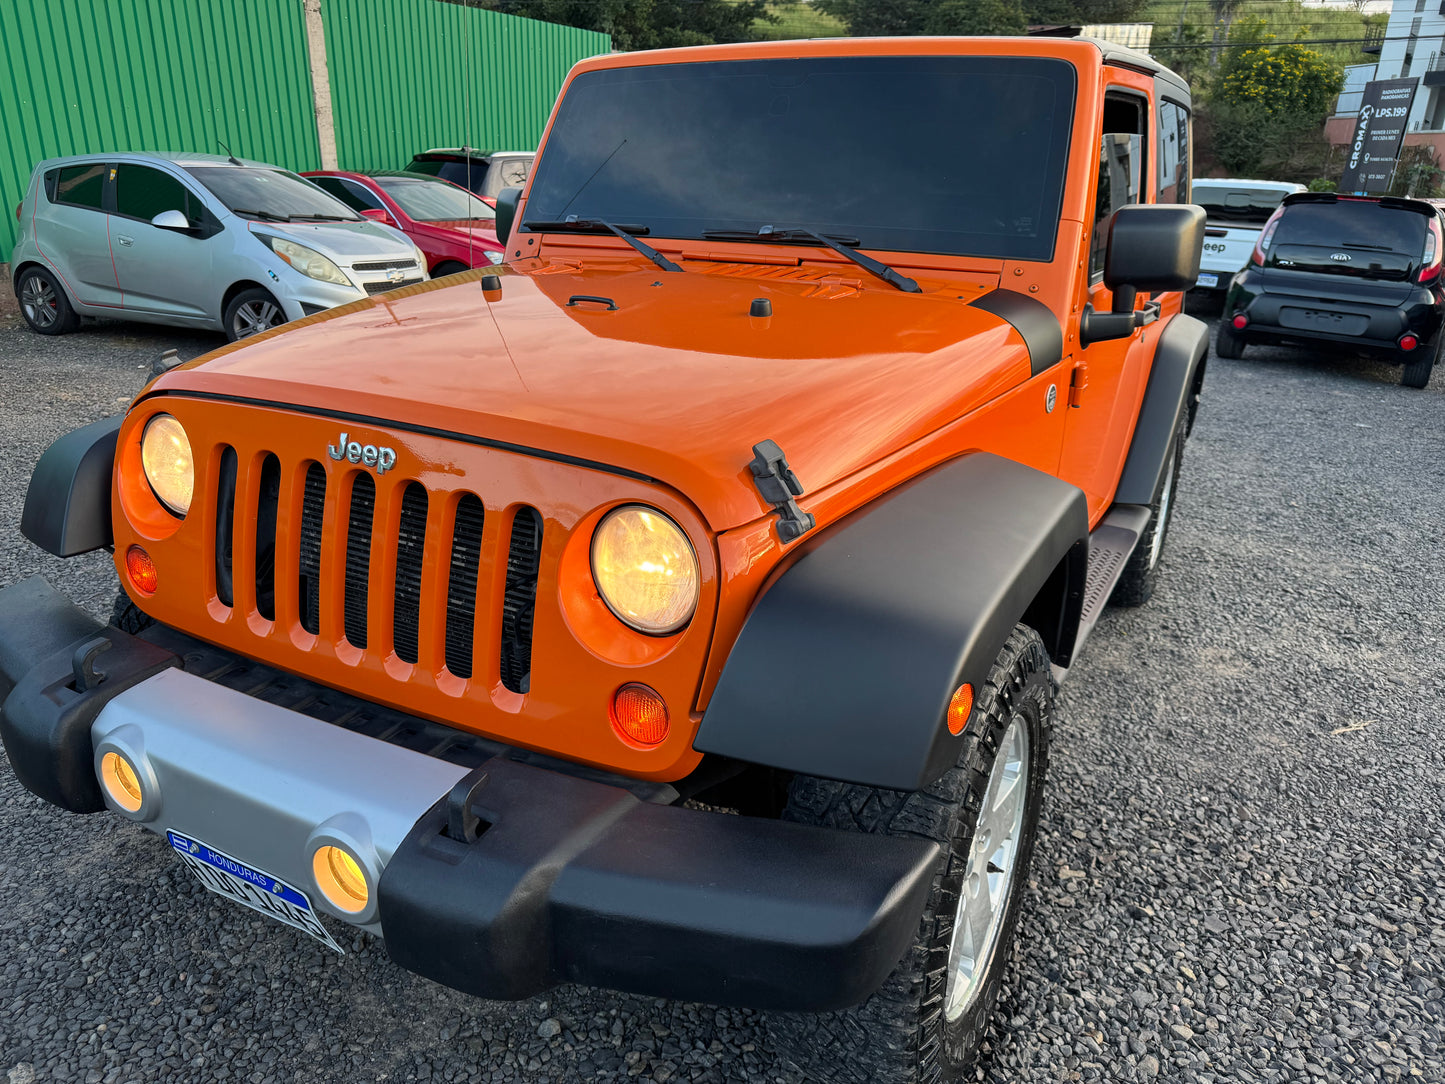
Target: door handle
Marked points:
124	240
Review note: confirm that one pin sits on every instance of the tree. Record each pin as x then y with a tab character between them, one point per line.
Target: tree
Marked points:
890	17
1266	107
645	24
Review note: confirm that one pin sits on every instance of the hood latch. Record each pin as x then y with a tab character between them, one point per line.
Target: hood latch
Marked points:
779	486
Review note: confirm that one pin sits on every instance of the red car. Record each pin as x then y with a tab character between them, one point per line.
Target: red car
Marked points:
454	228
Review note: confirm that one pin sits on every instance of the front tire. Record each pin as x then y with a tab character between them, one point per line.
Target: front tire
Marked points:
1141	575
1227	344
43	303
448	267
252	312
927	1022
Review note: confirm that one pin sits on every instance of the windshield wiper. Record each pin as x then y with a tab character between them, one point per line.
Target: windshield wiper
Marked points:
834	241
624	231
267	215
320	218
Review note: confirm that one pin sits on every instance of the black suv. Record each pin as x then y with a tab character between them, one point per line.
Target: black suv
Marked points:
1362	273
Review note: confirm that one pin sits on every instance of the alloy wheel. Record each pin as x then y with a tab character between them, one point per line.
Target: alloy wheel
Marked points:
257	316
42	307
988	881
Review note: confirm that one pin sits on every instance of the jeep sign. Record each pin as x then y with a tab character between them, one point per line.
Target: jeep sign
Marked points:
1384	109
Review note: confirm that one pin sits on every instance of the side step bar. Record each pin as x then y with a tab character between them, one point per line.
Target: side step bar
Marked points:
1110	545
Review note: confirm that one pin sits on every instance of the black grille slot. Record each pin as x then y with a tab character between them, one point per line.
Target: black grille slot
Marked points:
266	537
358	557
384	265
462	585
383	287
226	526
313	505
520	600
410	548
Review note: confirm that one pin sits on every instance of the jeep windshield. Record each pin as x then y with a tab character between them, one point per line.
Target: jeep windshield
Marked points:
1229	206
1357	238
961	155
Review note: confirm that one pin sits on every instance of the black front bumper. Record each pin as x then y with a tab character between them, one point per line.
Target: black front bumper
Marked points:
532	871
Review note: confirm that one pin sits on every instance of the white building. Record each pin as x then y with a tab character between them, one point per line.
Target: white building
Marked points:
1413	48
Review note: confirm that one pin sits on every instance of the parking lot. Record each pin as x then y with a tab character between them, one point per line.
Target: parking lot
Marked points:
1239	868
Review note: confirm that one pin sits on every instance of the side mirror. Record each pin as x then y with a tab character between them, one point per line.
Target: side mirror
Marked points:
507	200
172	220
1151	247
376	214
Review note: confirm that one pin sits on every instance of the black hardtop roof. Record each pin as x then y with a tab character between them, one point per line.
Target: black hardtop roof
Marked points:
1123	57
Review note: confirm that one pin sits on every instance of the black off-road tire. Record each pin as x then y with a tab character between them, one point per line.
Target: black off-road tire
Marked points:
1417	372
128	617
44	303
1141	575
1226	343
900	1035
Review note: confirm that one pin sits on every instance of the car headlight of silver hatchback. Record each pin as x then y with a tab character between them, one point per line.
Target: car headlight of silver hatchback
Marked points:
308	261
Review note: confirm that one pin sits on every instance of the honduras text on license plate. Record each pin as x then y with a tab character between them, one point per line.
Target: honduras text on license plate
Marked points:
1207	280
229	877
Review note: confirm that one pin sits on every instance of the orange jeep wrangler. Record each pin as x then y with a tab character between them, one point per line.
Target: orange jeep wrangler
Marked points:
680	608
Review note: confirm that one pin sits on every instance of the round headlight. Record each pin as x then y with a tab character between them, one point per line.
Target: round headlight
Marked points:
165	453
645	570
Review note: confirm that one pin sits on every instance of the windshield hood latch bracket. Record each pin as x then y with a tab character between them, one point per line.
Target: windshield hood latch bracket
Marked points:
779	486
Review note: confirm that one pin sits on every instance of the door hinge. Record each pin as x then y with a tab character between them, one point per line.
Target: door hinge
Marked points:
779	486
1077	383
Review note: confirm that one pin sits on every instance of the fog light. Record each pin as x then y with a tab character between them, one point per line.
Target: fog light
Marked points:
119	778
1408	342
1240	321
142	570
639	714
960	708
340	879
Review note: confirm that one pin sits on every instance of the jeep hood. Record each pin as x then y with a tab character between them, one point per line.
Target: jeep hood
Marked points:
677	382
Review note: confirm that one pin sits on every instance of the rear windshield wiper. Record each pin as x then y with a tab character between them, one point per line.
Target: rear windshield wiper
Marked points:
267	215
833	241
624	231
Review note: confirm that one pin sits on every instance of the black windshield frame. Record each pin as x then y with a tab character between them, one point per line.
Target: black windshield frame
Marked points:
882	148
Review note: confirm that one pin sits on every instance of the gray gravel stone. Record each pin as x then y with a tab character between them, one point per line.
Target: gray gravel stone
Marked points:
1248	773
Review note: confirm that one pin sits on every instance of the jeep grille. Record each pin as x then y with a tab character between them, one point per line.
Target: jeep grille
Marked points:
398	557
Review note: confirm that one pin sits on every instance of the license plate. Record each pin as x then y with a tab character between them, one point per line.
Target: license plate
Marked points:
1209	281
251	887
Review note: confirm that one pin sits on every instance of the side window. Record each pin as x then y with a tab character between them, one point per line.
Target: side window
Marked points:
353	195
1174	153
143	193
1121	170
79	186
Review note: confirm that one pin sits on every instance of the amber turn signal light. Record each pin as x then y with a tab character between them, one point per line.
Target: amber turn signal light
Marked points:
960	708
340	879
142	570
118	777
639	714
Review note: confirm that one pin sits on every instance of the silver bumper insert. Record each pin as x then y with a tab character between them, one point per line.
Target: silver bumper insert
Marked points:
266	784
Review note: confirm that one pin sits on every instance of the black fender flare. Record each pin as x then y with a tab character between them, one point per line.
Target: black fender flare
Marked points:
67	507
846	665
1172	393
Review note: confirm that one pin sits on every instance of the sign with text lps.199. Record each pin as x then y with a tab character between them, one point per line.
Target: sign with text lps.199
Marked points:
1384	109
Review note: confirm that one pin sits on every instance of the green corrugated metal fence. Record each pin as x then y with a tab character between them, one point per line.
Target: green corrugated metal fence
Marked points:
411	74
81	76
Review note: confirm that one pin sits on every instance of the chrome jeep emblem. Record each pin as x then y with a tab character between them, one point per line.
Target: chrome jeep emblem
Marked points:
1339	255
381	457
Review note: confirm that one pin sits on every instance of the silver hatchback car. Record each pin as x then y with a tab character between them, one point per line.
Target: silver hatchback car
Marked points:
196	240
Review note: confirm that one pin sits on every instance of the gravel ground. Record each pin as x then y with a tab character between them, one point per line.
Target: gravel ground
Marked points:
1239	869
